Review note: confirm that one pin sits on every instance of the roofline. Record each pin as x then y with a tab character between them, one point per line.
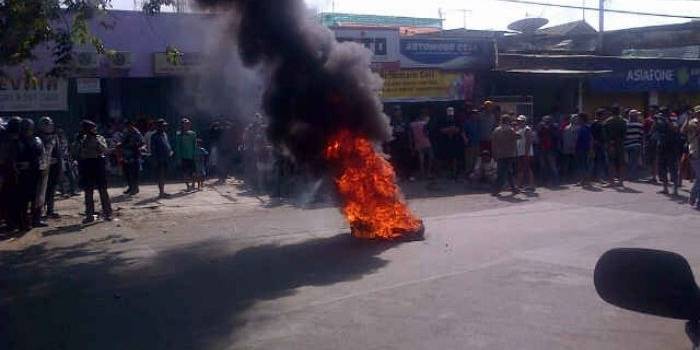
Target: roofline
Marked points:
667	59
367	27
166	13
690	23
387	16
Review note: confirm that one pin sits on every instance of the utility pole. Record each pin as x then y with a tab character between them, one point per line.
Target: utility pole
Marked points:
601	24
441	13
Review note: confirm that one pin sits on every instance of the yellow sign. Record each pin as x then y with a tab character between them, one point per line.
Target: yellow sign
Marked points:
424	85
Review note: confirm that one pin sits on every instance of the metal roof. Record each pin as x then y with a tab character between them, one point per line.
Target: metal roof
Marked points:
337	19
561	72
571	28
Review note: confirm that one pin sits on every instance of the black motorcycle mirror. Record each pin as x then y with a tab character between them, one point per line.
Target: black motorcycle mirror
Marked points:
650	281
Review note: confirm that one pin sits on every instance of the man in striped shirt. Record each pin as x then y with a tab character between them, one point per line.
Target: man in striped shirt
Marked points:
633	143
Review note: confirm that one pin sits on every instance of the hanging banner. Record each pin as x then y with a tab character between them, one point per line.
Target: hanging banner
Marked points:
447	53
414	85
35	94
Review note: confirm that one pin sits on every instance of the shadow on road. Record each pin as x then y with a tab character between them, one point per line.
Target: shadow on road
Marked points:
189	298
157	198
63	230
626	190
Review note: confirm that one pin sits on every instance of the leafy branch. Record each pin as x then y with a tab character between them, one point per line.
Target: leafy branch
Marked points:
55	25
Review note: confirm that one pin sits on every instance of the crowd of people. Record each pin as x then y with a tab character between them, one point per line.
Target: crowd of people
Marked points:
40	162
488	147
484	147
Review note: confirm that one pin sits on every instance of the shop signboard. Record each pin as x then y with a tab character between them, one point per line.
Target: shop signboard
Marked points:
187	63
382	42
415	85
457	53
88	85
642	79
22	94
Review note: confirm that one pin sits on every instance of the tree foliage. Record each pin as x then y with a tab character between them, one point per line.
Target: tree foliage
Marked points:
58	25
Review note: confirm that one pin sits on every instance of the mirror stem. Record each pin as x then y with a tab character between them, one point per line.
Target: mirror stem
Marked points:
692	329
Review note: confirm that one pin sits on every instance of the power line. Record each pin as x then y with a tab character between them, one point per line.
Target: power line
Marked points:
586	8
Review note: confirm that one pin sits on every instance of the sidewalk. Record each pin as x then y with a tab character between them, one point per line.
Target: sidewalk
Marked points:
146	207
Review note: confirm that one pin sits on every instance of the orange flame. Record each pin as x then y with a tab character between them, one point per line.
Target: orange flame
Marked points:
372	202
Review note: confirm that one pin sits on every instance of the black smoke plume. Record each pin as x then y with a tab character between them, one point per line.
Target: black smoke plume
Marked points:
316	85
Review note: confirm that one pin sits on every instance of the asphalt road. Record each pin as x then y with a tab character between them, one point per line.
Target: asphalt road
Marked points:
227	271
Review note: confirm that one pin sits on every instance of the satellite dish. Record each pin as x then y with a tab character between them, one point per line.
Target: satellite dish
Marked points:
528	25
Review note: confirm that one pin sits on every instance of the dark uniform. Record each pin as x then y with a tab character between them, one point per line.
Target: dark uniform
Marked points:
91	153
55	170
30	151
131	148
669	147
50	170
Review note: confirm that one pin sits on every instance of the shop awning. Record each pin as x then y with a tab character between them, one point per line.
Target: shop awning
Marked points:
558	72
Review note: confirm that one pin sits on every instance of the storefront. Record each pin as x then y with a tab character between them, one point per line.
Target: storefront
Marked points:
569	83
438	72
642	83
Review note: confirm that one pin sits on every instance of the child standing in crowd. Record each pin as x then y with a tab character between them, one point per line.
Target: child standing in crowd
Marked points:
200	161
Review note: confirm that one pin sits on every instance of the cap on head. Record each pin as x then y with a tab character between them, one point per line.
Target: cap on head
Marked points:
46	125
485	153
547	118
161	122
13	125
26	125
88	124
696	109
521	118
185	121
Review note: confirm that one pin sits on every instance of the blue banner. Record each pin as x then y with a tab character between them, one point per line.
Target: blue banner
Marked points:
649	79
447	53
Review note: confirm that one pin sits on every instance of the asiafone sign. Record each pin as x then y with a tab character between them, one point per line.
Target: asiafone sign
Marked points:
450	53
651	75
649	79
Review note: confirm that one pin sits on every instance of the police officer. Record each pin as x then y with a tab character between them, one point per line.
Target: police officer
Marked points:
53	164
7	173
29	154
91	160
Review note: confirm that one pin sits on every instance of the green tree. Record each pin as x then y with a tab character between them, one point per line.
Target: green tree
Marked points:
59	25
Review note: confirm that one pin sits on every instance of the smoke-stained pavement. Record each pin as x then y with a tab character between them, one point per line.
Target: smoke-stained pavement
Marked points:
220	270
